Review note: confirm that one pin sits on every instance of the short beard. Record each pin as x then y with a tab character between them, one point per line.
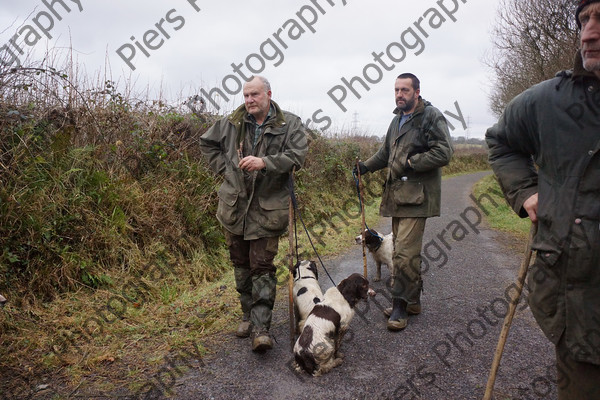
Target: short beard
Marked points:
408	106
589	65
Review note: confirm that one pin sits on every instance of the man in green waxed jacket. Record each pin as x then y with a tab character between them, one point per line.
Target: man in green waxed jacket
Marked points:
556	126
255	149
417	145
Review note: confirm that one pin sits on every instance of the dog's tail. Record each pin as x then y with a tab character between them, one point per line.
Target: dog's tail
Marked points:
306	360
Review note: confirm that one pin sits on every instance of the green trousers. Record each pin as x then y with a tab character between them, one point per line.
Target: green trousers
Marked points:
408	240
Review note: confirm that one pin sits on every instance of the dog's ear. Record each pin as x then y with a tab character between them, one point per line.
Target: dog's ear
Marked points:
313	267
295	269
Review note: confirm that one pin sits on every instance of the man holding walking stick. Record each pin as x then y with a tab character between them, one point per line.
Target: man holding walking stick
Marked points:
255	149
556	126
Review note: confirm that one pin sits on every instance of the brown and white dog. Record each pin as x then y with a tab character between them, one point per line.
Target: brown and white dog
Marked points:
317	349
307	291
381	249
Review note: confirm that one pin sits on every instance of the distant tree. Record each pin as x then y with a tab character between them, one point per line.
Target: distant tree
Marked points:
532	41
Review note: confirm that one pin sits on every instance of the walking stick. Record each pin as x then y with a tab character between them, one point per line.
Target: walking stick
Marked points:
510	314
362	212
291	264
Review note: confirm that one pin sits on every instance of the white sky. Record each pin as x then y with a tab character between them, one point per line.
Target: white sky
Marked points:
200	52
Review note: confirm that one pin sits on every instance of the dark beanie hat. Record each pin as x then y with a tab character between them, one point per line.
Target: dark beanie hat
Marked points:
582	4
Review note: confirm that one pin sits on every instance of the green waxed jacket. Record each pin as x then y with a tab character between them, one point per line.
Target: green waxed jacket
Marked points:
555	125
425	140
255	204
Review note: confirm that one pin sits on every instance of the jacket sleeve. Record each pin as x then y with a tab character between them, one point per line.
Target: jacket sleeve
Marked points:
380	159
439	144
512	143
212	145
294	151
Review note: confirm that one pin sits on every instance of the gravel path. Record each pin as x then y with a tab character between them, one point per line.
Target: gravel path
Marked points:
444	353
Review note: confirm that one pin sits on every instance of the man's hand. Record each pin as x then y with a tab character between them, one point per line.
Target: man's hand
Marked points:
363	168
252	163
531	206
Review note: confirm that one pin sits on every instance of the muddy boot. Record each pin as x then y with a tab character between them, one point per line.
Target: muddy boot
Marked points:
243	284
411	309
263	299
399	317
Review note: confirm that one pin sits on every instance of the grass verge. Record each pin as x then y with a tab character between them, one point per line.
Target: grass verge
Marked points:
100	341
502	217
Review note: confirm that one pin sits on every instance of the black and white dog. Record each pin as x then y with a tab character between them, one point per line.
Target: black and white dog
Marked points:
381	249
307	291
317	349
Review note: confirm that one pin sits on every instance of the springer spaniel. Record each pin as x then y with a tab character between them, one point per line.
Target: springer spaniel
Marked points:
307	291
317	349
381	249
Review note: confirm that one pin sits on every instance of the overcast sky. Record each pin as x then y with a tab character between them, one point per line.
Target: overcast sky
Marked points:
196	41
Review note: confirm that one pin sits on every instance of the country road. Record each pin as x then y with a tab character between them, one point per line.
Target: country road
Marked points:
444	353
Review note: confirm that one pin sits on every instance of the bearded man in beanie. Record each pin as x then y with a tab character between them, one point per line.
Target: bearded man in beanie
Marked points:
555	126
254	150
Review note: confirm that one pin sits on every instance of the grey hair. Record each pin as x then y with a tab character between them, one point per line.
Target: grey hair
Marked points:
264	81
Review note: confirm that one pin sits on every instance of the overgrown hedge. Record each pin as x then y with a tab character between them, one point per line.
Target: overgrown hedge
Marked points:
95	186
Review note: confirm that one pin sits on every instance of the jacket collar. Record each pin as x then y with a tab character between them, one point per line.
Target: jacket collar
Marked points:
240	115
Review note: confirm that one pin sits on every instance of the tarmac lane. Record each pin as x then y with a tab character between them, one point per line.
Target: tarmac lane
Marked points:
445	352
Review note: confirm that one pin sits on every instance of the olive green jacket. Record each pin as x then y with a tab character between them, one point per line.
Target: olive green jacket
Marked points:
555	125
255	204
425	140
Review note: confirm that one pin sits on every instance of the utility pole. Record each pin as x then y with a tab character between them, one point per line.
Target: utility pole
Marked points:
468	127
355	123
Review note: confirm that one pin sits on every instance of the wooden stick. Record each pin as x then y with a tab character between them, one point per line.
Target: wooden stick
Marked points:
291	266
364	224
510	314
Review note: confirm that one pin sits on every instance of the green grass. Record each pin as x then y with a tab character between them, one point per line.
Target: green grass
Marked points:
500	216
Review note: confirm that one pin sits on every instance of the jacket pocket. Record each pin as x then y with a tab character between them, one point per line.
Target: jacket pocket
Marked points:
544	285
273	213
407	193
227	211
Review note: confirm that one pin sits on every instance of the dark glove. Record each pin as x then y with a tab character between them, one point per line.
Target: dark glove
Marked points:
363	168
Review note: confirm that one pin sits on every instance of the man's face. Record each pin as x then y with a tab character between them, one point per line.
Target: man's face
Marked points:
590	37
256	99
406	95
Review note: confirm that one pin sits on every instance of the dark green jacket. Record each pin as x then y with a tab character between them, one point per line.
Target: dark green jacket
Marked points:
255	204
556	125
425	140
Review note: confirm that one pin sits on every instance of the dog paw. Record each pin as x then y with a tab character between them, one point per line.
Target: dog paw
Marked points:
377	279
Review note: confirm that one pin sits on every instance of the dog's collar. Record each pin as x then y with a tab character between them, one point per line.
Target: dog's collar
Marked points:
304	277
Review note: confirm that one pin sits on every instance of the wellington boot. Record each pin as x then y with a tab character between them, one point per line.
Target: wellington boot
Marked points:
411	309
263	299
261	341
243	284
244	328
399	317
